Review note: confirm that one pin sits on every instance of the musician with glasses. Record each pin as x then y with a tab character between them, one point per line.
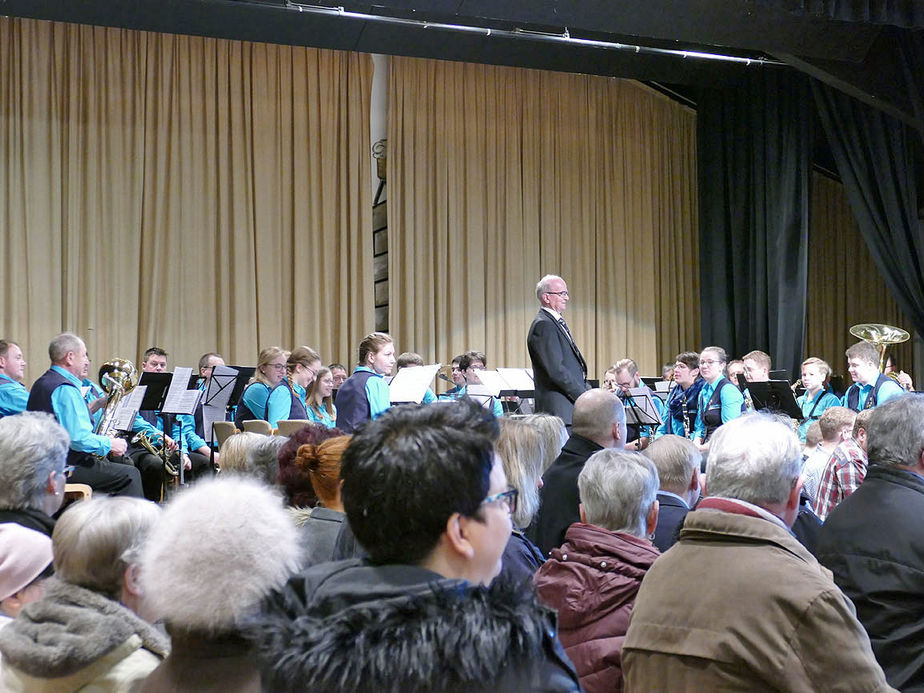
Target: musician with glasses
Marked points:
302	368
559	369
57	392
470	363
627	379
266	397
719	401
14	396
683	399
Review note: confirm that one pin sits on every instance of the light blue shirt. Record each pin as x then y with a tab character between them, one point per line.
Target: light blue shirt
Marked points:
824	399
280	402
731	400
72	413
13	396
325	418
496	407
377	393
183	431
889	390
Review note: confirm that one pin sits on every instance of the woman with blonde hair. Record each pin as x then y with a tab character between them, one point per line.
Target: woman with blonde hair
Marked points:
320	525
365	395
521	450
302	368
267	395
319	401
554	435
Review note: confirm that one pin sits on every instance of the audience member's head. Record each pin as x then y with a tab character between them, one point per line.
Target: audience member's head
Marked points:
422	486
836	424
33	454
860	426
757	459
234	452
97	545
294	479
520	449
554	435
813	436
322	463
895	433
262	458
618	492
600	417
677	460
243	547
25	563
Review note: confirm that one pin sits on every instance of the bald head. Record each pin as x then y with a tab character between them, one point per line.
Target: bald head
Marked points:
599	416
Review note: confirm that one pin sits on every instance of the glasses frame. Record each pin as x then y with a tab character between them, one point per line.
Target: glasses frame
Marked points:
509	497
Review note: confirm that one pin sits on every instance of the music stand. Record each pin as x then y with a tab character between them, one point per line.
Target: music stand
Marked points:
640	407
156	386
775	396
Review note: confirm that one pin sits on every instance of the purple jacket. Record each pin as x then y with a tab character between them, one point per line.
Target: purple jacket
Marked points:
592	581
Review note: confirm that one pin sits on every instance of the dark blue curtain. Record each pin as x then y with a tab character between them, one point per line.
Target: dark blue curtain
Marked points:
754	145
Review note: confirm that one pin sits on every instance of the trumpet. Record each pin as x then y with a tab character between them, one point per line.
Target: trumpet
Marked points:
158	450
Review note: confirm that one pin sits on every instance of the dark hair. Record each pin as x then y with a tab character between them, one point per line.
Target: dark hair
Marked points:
205	358
294	479
406	473
336	365
5	345
153	351
465	361
690	359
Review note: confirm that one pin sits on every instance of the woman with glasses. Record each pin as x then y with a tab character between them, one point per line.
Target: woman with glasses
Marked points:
720	401
267	396
302	368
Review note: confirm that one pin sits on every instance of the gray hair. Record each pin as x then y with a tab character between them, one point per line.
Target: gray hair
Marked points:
595	413
520	448
234	452
895	432
209	580
97	539
675	458
543	285
755	458
32	446
62	344
617	489
554	435
263	459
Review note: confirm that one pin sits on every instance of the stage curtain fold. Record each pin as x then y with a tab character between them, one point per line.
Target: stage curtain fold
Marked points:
193	193
497	176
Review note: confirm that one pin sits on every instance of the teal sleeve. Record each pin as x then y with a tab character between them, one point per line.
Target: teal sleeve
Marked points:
254	398
889	390
429	397
72	413
280	404
188	432
498	408
378	395
732	399
142	425
13	398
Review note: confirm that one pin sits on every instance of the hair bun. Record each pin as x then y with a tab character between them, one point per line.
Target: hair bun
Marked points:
307	456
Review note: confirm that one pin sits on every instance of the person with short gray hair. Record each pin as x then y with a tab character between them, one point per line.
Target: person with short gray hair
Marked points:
89	632
775	618
678	461
873	541
606	555
599	423
33	455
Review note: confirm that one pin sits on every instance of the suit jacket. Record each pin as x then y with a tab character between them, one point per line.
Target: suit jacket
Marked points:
559	370
559	495
670	520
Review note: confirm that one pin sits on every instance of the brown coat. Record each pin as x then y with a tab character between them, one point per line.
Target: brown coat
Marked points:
739	604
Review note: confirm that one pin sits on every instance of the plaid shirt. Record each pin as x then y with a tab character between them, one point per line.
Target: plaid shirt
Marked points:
842	476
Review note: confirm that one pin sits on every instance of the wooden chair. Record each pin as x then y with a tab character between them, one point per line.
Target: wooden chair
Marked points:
223	431
77	492
290	426
258	426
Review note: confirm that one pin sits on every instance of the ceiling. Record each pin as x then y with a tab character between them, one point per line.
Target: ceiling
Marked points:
851	44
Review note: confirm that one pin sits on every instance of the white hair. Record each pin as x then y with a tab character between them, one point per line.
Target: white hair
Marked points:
617	489
32	446
895	432
544	285
755	458
62	344
221	547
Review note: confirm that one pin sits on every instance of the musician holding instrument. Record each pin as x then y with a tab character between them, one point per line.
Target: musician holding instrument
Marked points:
627	379
818	396
13	394
870	387
57	392
717	402
683	399
267	396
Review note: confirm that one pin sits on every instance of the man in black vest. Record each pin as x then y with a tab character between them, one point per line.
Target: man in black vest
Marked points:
57	392
599	422
559	370
870	387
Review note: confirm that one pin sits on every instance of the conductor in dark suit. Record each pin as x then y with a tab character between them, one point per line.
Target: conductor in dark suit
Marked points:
559	370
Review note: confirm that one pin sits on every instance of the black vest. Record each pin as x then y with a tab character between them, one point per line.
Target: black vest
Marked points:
712	414
853	394
352	404
243	412
40	400
297	409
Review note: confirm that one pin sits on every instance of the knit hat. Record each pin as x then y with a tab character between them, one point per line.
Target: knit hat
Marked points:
24	555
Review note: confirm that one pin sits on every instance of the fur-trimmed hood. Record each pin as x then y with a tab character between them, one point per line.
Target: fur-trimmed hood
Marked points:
70	629
348	626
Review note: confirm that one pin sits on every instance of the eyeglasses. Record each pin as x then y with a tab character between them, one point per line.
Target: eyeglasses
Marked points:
509	498
558	293
709	362
277	366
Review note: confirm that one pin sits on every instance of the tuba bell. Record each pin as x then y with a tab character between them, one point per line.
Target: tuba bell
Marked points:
880	336
117	378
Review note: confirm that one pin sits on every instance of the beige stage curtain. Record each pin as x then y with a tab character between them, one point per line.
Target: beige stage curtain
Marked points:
844	286
498	176
193	193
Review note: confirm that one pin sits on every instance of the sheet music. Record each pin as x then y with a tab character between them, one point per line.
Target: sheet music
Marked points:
179	399
517	378
492	382
410	384
481	394
217	395
124	419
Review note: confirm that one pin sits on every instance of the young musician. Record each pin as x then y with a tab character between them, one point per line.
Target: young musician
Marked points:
365	395
267	396
319	401
683	400
818	396
719	401
302	368
870	387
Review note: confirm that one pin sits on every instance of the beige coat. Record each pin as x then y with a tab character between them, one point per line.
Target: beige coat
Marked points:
739	605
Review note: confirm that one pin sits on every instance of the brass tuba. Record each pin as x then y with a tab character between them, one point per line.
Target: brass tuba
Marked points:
881	337
117	378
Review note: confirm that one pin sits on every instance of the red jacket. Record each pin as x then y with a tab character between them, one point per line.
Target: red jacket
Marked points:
592	581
